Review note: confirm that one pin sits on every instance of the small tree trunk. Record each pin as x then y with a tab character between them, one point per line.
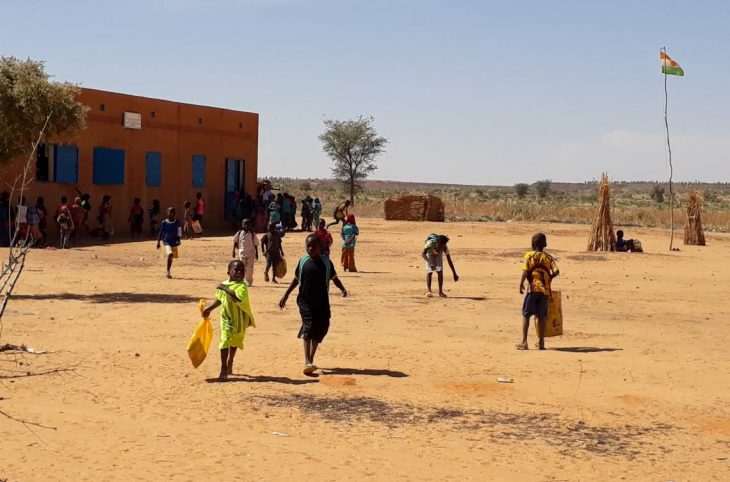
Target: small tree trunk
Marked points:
352	190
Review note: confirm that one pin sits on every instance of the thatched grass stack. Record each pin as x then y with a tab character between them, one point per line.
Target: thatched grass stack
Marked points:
415	208
602	236
693	233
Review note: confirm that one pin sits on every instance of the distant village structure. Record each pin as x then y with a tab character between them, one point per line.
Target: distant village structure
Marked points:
152	149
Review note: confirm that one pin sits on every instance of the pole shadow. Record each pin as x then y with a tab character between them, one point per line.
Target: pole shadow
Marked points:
117	297
364	371
584	349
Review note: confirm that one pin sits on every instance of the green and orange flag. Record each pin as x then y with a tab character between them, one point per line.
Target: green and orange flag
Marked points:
669	66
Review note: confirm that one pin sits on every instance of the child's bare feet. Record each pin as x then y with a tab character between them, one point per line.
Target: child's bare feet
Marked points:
169	276
266	277
309	369
442	294
429	294
273	280
223	376
522	346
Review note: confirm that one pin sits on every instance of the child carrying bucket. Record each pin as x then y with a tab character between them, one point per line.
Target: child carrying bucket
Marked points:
538	269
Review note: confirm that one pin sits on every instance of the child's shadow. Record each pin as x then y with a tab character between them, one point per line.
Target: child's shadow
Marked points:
235	378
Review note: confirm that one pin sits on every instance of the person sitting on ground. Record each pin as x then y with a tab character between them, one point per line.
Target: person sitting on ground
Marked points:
235	315
433	253
538	269
623	245
340	213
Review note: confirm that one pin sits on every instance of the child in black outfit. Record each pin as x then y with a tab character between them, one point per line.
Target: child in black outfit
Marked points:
313	275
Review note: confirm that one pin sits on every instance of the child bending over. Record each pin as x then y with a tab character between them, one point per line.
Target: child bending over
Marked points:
433	253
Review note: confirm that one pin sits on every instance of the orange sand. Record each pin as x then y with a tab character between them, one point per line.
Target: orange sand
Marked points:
638	388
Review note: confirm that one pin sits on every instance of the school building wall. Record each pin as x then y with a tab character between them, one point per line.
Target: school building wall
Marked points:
182	147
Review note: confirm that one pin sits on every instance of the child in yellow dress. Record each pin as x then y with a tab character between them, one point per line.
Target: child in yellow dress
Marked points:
235	318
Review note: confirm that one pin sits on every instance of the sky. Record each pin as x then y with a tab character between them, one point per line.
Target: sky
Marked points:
466	91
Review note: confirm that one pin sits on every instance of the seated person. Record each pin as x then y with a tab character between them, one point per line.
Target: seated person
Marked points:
633	245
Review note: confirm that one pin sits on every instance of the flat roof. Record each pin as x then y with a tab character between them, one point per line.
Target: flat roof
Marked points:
88	89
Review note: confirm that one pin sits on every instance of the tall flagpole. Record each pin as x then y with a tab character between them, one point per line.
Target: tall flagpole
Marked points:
671	168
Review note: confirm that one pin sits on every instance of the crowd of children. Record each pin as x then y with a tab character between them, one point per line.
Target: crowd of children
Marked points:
21	222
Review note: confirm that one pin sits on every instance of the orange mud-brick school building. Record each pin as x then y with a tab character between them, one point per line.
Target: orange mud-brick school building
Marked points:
152	149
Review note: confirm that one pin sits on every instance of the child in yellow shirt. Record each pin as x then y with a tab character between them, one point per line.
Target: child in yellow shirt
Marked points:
538	269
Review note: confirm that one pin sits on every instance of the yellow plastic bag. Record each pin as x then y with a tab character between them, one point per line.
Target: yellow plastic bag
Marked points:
280	268
200	341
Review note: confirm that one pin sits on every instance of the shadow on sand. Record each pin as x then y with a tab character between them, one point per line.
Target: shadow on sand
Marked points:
584	349
363	371
260	379
119	297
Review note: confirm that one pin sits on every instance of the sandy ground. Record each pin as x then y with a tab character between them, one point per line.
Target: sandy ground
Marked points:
637	388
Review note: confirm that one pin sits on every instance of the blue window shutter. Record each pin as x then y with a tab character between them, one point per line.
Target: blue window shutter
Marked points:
198	171
154	169
67	164
108	166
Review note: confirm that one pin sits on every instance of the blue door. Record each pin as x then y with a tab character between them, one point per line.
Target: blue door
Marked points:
235	185
154	169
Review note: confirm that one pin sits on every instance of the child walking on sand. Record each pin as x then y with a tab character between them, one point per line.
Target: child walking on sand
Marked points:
170	233
187	221
154	212
136	218
349	238
271	246
235	315
313	275
433	253
247	244
538	269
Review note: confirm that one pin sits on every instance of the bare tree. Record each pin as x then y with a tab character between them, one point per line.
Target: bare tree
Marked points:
353	145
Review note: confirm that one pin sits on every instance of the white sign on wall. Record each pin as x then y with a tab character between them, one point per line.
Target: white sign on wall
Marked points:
132	120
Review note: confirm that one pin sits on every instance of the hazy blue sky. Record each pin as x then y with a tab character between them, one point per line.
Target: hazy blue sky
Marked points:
475	92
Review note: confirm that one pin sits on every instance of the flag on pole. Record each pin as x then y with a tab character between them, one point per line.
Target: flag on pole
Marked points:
669	66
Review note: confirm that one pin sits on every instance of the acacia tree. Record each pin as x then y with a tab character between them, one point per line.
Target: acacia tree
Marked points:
27	97
32	108
521	189
353	145
543	188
